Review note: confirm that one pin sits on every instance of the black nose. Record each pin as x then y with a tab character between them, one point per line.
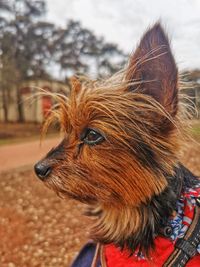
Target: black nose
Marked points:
42	170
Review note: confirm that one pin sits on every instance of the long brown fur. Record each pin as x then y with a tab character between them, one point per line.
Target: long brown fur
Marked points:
137	114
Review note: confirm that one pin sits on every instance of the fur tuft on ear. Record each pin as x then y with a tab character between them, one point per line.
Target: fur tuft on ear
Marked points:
153	70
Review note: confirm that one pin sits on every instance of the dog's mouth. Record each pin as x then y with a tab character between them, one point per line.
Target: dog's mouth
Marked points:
66	194
53	182
86	199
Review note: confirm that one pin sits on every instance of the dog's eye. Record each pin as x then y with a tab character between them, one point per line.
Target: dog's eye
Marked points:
92	137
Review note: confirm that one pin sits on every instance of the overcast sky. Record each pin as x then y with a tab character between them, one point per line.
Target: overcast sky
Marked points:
123	22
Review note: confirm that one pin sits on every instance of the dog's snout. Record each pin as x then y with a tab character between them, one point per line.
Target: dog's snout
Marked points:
42	170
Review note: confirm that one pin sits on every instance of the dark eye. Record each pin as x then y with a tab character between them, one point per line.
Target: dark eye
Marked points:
92	137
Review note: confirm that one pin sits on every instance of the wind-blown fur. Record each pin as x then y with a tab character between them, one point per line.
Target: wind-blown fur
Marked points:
129	180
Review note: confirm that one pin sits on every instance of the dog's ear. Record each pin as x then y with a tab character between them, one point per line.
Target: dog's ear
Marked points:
153	69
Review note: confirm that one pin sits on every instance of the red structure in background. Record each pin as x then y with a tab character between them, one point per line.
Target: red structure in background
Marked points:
46	105
35	106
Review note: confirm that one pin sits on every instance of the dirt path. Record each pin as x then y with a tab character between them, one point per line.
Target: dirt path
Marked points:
24	154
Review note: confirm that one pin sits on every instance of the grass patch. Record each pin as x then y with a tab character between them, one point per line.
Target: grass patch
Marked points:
14	133
26	139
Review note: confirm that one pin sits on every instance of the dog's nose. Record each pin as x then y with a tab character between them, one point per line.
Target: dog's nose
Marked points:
42	170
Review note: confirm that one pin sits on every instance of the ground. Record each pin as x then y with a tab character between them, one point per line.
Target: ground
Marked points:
25	154
38	229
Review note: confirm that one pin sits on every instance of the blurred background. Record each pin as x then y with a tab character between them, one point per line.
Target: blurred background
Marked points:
42	44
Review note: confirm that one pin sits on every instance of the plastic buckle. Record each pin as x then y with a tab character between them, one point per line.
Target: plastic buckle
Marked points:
198	201
189	249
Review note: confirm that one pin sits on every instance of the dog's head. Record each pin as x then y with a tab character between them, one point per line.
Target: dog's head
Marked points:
120	135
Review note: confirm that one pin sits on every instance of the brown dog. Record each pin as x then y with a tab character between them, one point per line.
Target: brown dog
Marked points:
120	156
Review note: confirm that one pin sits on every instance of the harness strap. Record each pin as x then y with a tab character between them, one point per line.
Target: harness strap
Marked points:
96	255
186	248
102	257
99	254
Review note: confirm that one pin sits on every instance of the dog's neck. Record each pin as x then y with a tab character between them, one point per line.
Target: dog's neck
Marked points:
136	227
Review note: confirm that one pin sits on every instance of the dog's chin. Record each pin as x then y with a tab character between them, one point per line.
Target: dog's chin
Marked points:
53	183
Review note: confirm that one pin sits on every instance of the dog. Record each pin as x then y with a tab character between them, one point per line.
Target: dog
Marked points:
120	156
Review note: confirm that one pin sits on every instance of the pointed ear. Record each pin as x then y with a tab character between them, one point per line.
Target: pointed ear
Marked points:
152	66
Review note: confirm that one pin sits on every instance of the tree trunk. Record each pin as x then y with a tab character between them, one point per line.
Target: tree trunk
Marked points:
19	106
5	105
